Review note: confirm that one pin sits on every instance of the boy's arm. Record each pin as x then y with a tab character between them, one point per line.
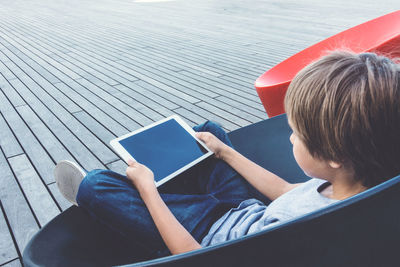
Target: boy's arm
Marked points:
269	184
175	236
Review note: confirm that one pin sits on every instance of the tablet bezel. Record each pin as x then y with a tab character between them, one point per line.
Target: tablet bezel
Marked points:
124	154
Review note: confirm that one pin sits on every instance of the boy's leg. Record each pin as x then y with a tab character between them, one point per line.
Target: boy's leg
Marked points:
112	200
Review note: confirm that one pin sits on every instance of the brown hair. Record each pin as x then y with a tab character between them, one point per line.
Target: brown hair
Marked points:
346	108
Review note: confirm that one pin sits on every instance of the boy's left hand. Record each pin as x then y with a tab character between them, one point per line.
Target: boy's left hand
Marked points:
140	176
214	144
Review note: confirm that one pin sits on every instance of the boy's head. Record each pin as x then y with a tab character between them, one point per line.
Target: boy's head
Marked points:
345	108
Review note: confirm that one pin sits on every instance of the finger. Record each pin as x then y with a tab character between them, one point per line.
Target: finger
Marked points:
131	162
200	135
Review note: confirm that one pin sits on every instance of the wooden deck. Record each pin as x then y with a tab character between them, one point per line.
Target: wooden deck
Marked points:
75	74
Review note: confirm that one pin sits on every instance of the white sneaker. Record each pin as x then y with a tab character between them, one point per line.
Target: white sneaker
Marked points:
68	176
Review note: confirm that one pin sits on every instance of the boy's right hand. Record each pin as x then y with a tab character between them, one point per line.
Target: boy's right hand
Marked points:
214	144
140	176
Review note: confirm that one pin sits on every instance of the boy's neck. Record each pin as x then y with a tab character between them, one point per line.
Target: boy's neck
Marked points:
343	187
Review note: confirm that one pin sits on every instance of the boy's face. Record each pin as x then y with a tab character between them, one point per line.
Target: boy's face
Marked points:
311	166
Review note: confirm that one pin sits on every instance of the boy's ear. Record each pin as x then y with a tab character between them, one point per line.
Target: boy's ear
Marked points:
335	165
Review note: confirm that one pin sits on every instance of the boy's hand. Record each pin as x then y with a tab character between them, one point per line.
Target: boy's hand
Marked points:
214	144
141	176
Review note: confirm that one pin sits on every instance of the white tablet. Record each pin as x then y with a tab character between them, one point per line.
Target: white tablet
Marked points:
168	147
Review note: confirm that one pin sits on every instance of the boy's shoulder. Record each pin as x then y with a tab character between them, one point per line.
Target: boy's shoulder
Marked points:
302	199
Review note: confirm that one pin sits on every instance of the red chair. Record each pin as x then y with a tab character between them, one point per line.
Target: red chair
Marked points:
381	35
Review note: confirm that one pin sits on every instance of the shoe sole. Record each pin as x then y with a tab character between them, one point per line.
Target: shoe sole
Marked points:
68	176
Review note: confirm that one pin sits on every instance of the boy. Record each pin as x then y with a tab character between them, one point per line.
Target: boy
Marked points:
344	113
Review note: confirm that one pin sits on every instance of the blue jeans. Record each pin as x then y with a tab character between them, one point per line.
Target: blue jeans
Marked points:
197	198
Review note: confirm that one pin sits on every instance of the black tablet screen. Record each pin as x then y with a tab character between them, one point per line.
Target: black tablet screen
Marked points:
164	148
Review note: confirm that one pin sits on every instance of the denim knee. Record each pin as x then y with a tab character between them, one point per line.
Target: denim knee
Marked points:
208	126
87	188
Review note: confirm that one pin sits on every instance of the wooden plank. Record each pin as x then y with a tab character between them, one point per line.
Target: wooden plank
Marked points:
82	62
226	115
104	118
115	102
14	263
169	79
247	91
141	56
247	83
233	112
158	103
110	110
191	118
131	101
52	145
103	104
188	106
111	77
39	62
146	77
196	60
39	66
51	74
73	135
8	142
13	68
184	65
95	127
62	202
41	160
256	111
6	72
118	166
52	90
15	99
16	208
35	191
7	248
248	70
28	97
93	75
101	83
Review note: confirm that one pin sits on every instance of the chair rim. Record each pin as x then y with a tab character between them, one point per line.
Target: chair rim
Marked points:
305	218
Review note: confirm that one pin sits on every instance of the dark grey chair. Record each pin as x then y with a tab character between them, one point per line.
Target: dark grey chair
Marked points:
363	230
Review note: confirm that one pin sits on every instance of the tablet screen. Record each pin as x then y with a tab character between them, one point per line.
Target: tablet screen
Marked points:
164	148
